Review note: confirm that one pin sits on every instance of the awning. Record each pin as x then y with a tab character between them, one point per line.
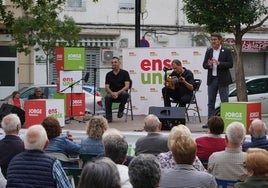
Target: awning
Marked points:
93	42
102	42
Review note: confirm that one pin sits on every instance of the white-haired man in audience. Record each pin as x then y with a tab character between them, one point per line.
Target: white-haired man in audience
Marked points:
258	132
33	168
154	142
228	164
11	144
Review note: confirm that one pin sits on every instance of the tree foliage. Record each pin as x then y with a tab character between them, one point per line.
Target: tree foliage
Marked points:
40	26
229	16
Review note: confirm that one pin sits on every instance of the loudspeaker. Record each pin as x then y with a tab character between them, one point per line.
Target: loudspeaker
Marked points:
169	116
8	109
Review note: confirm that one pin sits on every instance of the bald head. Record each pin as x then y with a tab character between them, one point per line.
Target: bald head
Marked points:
36	138
152	123
257	128
11	124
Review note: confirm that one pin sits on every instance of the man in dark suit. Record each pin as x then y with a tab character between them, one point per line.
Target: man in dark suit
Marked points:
218	61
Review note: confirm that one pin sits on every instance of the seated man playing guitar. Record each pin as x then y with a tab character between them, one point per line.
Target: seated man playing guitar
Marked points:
179	85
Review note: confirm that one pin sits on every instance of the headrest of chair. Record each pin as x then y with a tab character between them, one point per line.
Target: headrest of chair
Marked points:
197	84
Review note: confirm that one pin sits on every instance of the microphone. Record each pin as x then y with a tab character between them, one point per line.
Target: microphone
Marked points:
86	77
167	68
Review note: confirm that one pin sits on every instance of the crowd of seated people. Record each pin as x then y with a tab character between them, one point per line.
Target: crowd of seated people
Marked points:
178	165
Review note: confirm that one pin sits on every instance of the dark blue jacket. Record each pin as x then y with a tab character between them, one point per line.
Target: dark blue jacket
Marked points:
256	143
223	69
10	146
31	168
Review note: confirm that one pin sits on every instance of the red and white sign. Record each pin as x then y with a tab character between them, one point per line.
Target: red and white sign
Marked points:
37	110
78	100
68	78
251	45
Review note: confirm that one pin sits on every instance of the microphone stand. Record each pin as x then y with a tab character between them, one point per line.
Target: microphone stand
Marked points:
67	121
95	84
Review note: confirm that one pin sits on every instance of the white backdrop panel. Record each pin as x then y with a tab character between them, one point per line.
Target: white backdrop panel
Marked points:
145	66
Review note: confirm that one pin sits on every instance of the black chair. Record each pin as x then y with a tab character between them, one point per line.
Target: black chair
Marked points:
73	174
195	108
86	157
204	162
225	183
128	106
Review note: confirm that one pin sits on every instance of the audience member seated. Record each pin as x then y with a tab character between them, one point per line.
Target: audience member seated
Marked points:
256	164
100	173
258	132
144	171
115	132
228	164
92	144
3	181
11	144
212	142
32	168
116	149
15	100
166	159
184	174
57	142
154	142
37	94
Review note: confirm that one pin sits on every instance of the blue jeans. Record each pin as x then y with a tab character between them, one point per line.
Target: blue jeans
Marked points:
213	89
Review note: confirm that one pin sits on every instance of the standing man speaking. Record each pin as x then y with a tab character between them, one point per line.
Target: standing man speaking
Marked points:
218	61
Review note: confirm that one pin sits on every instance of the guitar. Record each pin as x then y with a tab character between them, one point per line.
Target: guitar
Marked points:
172	82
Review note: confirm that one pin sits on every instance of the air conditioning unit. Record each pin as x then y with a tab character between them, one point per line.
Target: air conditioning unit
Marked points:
107	56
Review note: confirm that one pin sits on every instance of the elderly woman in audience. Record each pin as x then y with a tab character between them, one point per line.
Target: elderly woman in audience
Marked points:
101	173
206	145
166	159
92	144
144	171
58	143
183	174
256	164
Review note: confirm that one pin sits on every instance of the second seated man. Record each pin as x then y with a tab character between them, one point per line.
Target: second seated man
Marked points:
179	85
117	83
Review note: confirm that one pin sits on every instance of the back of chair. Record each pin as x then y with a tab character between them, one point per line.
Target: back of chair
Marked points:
86	157
130	85
225	183
73	173
197	84
204	162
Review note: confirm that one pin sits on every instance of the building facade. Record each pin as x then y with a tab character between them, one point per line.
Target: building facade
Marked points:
109	26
